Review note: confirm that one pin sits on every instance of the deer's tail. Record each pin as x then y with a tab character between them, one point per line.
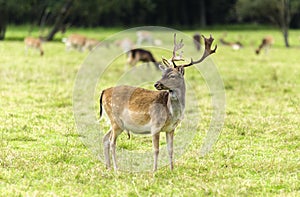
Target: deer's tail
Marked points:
100	102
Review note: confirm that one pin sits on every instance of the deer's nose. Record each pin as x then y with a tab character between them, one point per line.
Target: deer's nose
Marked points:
157	85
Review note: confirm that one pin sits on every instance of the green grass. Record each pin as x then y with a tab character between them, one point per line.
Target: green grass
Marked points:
257	154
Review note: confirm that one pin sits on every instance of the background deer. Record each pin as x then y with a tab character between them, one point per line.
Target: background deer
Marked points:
125	44
197	41
75	41
144	36
145	111
90	44
34	43
136	55
266	43
234	45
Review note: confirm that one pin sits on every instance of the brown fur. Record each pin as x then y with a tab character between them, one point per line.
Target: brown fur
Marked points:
136	55
133	98
266	43
90	44
34	43
76	41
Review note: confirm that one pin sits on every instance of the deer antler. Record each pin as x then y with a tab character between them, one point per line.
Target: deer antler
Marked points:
177	46
208	51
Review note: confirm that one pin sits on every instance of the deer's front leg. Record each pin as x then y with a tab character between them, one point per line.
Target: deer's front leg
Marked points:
155	141
169	138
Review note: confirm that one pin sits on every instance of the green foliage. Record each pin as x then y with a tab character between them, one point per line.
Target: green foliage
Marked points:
112	12
87	13
270	10
91	13
41	153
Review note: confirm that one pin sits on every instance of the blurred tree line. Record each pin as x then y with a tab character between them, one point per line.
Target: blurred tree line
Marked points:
89	13
61	14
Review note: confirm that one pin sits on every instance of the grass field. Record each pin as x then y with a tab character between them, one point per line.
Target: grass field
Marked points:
257	153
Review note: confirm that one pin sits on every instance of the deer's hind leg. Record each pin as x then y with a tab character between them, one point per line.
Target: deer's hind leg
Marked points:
106	148
116	131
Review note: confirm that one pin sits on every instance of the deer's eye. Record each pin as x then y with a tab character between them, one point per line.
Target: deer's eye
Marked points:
172	76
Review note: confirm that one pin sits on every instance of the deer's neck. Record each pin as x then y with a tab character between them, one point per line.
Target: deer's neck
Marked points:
176	101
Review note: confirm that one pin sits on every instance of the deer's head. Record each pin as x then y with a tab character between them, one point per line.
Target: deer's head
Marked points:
173	75
172	78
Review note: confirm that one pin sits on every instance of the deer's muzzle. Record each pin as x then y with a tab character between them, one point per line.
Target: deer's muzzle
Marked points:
159	86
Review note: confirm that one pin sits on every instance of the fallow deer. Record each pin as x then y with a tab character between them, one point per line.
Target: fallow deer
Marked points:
266	43
145	111
75	41
144	36
234	45
34	43
136	55
90	44
197	41
125	44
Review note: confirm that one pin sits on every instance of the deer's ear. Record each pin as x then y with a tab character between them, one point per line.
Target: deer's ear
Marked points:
162	67
166	62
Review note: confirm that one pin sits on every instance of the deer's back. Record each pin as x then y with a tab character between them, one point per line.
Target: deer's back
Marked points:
33	42
133	108
268	40
142	55
77	39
